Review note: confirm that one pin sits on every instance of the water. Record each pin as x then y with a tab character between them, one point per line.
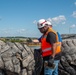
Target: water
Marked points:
34	47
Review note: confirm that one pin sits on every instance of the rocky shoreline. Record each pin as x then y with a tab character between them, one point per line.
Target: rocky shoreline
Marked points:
18	59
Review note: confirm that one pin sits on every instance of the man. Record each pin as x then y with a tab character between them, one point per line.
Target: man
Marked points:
59	36
50	48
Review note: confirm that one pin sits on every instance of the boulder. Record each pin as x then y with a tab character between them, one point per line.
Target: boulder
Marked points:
19	59
67	65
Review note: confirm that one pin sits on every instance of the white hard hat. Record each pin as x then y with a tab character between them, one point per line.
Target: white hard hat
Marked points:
41	23
49	23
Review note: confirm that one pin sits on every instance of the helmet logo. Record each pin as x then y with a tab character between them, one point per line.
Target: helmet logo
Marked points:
43	22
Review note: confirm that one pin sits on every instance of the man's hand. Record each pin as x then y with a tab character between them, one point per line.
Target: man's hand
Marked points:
50	61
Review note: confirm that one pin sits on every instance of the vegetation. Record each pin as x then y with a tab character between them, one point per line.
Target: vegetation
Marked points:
26	40
14	39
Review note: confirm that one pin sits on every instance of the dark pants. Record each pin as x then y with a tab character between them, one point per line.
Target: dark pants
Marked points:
42	71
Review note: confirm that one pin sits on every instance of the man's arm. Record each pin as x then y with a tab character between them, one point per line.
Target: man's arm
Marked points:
54	49
51	38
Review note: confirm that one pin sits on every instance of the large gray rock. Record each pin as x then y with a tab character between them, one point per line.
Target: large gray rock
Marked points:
67	64
19	59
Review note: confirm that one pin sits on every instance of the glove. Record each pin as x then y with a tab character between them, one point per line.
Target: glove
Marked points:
50	61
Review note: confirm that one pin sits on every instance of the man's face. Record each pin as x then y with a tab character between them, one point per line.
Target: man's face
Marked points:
43	29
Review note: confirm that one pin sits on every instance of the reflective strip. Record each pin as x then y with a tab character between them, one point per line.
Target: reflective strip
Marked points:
47	49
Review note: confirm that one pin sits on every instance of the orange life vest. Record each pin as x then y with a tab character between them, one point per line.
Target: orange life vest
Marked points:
47	47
